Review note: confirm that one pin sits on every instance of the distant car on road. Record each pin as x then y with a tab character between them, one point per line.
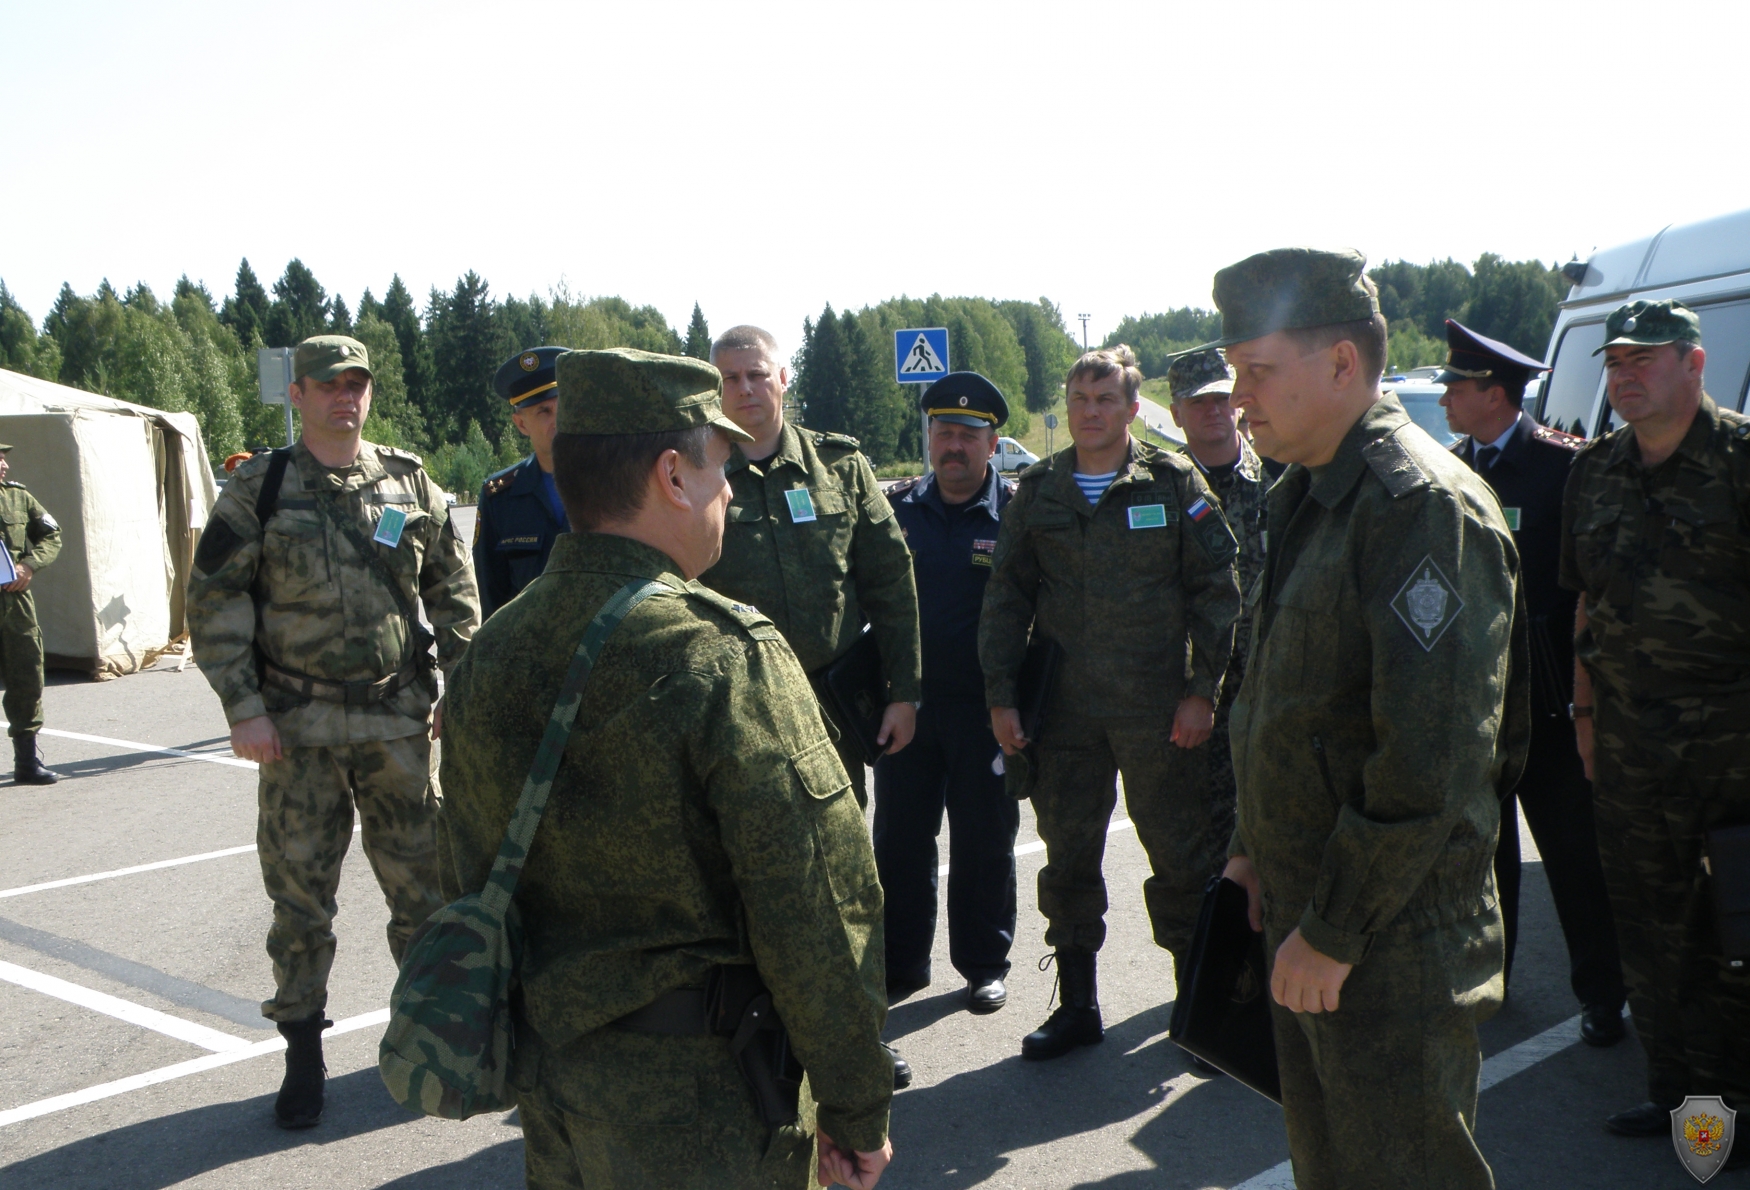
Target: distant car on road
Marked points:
1012	456
1422	402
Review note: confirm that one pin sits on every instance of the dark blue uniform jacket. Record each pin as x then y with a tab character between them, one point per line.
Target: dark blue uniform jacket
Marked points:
951	551
513	533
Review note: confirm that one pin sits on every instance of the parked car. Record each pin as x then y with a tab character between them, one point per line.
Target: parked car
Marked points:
1012	456
1422	402
1705	265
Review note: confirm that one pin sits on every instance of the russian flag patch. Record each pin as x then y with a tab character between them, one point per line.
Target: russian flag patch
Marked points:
1199	510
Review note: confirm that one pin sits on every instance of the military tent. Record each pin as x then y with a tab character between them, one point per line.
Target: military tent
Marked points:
131	487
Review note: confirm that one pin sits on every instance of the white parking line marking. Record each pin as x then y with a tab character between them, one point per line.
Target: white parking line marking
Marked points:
136	746
163	1074
1025	848
1498	1069
123	1010
136	869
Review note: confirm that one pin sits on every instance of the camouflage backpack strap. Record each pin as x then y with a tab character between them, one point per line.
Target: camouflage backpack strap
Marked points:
508	867
447	1048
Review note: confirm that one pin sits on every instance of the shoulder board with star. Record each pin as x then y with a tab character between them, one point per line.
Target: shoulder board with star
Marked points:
750	618
1396	468
904	487
829	438
1559	438
499	482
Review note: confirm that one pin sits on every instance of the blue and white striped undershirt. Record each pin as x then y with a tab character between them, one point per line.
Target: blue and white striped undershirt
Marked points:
1094	486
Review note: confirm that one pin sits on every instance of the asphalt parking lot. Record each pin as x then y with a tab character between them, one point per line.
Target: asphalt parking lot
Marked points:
132	1052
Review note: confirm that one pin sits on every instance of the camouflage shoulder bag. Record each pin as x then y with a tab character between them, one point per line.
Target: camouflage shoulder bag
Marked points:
446	1051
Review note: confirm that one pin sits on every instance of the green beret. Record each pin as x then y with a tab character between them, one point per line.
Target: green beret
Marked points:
1651	324
323	357
1289	289
625	391
1198	372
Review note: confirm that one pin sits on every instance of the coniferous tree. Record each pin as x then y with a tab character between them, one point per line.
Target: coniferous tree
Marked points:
245	311
823	382
416	366
299	310
369	307
874	415
698	335
467	345
339	317
22	348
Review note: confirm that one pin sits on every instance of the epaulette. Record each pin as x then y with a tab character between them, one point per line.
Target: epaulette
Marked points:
751	619
497	483
904	487
1009	485
406	458
1399	472
1457	448
1035	470
13	483
830	438
1737	424
254	465
1559	438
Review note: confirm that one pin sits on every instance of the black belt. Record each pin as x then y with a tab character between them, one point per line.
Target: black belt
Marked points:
680	1013
352	694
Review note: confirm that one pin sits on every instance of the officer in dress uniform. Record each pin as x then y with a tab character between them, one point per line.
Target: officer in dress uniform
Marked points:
519	513
1527	466
950	521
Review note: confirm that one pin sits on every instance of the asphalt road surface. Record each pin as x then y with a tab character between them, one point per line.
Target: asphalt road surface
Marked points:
132	1053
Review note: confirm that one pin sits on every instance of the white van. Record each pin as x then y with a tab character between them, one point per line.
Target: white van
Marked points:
1704	265
1012	456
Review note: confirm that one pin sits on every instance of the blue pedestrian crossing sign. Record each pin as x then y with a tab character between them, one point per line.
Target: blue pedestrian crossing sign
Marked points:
920	354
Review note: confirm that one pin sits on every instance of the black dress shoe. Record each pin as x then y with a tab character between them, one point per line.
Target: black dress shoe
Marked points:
1601	1026
1649	1119
986	995
1204	1068
901	1068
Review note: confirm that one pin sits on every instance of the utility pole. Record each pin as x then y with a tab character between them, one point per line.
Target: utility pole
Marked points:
1084	318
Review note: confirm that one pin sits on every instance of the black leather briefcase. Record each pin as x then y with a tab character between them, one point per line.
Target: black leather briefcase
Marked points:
1037	682
1728	867
1223	1011
856	694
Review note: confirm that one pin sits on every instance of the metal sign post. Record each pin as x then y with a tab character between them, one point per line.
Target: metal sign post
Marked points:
274	368
920	358
1050	425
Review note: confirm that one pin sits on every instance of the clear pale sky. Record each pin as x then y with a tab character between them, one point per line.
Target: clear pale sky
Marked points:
764	159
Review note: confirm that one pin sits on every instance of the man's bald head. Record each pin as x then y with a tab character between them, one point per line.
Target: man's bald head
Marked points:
746	338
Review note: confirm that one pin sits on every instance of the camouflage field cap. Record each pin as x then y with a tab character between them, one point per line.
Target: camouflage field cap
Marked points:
1651	324
1198	372
323	357
625	391
1289	288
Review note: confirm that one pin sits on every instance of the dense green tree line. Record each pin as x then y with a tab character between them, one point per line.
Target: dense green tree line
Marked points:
1510	300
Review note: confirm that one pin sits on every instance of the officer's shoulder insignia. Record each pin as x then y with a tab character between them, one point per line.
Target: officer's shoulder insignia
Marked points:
904	488
498	483
831	438
1559	438
1427	603
1009	486
1393	463
1458	448
750	618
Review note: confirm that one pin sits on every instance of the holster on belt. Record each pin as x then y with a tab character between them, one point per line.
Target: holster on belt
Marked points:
736	1004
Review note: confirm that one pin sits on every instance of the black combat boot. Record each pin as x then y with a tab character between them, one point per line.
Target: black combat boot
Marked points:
1077	1019
27	766
300	1100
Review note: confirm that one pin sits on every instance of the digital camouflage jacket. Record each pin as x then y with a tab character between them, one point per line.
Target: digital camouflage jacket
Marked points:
1663	558
1385	706
811	541
299	592
700	816
1123	586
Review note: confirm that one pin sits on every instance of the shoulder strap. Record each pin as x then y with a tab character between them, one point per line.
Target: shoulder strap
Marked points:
507	869
269	497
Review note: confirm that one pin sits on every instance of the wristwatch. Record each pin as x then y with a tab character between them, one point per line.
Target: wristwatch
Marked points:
1575	712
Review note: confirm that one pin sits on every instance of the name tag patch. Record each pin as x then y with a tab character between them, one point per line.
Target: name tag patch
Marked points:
1148	516
389	528
983	549
801	505
1512	518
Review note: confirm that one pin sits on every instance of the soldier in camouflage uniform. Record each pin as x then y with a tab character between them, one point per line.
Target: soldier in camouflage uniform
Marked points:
812	542
1656	539
1118	552
1201	384
326	679
700	822
34	540
1384	707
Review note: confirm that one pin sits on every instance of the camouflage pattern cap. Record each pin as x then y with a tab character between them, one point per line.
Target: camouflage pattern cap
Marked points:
1651	324
323	357
625	391
1290	288
1197	372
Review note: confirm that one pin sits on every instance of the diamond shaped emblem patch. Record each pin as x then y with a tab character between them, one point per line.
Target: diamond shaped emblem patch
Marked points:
1427	603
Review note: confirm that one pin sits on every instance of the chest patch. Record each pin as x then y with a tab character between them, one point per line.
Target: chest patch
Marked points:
1512	518
1147	516
801	505
389	528
1427	603
983	549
